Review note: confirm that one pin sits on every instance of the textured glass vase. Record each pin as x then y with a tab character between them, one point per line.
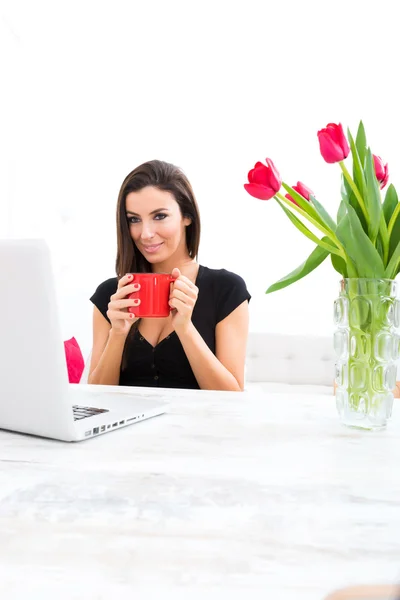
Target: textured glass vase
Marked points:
366	341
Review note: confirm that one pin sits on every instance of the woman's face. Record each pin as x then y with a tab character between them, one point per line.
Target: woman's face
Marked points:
156	224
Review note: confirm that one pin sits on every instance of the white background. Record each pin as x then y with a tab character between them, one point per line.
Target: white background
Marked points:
89	90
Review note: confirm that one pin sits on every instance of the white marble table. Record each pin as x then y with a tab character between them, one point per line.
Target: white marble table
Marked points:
227	496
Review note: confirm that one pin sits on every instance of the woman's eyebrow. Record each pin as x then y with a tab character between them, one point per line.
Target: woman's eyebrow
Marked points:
129	212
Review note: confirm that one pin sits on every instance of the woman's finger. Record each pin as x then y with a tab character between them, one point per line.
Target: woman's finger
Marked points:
181	307
185	298
179	304
128	278
191	290
120	304
115	315
125	290
188	281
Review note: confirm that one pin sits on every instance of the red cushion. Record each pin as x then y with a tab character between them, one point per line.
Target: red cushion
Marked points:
75	362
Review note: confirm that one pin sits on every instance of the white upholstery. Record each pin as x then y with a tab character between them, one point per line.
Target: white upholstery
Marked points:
290	359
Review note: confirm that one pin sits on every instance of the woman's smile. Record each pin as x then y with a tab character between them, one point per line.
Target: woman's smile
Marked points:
152	248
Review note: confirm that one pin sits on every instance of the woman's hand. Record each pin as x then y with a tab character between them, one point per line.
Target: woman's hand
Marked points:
183	298
121	319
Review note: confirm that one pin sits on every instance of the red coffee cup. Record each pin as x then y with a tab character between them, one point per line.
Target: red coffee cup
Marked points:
153	294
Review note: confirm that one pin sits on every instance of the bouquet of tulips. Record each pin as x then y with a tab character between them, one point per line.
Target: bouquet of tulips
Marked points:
364	240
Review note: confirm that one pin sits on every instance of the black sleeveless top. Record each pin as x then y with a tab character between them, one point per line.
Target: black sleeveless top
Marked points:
166	365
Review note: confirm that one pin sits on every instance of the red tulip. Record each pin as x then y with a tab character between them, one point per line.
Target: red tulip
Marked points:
381	171
264	181
333	143
301	189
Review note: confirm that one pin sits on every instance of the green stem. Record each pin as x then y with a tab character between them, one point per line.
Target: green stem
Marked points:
355	189
305	231
367	382
326	232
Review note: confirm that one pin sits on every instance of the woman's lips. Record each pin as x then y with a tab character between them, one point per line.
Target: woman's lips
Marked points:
152	248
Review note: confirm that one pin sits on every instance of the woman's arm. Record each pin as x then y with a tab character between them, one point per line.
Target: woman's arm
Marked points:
225	370
396	391
108	346
109	337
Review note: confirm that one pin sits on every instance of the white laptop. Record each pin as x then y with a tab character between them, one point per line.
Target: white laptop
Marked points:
35	395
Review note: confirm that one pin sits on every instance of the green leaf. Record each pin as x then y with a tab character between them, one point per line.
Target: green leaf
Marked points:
317	256
379	246
358	246
390	202
383	239
344	193
361	143
339	264
358	172
394	236
351	268
342	211
301	227
324	215
343	232
302	202
393	267
349	197
373	198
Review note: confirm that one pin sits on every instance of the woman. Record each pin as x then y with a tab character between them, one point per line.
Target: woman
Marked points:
202	344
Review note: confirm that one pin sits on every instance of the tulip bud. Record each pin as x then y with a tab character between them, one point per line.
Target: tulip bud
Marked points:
333	143
264	181
381	170
301	189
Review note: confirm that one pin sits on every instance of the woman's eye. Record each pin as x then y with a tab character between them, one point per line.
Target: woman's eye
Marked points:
158	217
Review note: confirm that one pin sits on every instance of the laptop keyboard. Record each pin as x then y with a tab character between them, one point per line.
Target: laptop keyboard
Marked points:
83	412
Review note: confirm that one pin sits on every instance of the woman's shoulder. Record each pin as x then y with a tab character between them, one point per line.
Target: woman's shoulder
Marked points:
103	293
110	284
105	289
222	277
227	288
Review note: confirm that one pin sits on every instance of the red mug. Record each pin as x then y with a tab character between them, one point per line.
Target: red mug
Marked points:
153	294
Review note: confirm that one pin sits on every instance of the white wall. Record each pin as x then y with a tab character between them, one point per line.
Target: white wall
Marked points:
92	89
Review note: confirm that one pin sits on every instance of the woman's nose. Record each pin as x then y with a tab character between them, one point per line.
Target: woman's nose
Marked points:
147	231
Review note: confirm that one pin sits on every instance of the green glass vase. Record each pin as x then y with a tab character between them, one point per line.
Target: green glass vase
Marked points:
366	342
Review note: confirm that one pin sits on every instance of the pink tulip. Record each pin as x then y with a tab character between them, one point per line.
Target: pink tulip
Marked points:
301	189
333	143
381	171
264	181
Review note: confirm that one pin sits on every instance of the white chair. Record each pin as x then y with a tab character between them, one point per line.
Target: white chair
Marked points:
290	363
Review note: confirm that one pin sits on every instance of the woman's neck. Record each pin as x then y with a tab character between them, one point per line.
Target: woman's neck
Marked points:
185	265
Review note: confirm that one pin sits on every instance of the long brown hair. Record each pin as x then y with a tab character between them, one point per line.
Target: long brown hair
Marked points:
167	177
